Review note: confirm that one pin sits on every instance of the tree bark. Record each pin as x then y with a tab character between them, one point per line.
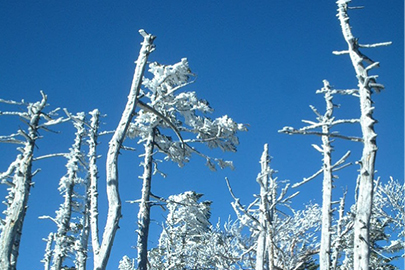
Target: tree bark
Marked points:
114	201
144	206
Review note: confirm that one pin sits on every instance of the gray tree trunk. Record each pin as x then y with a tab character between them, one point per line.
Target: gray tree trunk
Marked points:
114	201
144	206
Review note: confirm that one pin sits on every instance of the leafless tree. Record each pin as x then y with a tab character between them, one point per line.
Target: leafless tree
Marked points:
282	241
20	172
102	250
366	84
325	122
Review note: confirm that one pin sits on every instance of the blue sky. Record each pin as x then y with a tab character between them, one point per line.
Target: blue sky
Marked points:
258	62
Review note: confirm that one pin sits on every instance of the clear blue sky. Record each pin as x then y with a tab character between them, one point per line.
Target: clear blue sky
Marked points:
259	62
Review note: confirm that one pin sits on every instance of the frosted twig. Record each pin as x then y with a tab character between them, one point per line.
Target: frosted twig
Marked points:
50	156
11	139
346	121
315	111
174	89
238	204
340	52
342	167
167	121
21	114
128	148
290	130
374	45
12	102
342	159
344	91
307	179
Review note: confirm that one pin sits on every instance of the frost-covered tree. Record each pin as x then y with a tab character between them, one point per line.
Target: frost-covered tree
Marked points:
386	240
282	241
126	264
186	234
64	241
367	85
326	123
18	176
185	115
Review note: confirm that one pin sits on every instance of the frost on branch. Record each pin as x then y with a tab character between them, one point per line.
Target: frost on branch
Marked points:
185	240
386	240
68	223
18	176
126	264
169	113
282	241
184	114
323	128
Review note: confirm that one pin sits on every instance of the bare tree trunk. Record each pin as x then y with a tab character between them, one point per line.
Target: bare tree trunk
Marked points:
114	201
18	202
144	206
260	250
339	233
265	219
81	253
48	252
93	179
365	196
90	215
325	249
64	227
66	186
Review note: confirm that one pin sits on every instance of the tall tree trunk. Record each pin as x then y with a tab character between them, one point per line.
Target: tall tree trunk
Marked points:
91	196
67	185
367	163
93	179
325	249
18	202
144	206
114	201
64	227
262	245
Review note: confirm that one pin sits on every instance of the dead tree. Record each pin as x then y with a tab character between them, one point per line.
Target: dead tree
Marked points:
277	236
63	239
325	123
102	250
20	172
367	84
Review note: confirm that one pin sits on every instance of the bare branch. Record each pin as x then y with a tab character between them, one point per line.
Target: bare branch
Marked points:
307	179
51	156
375	45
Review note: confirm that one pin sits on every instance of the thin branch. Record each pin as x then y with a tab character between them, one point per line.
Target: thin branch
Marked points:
375	45
237	202
167	121
290	131
307	179
51	156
